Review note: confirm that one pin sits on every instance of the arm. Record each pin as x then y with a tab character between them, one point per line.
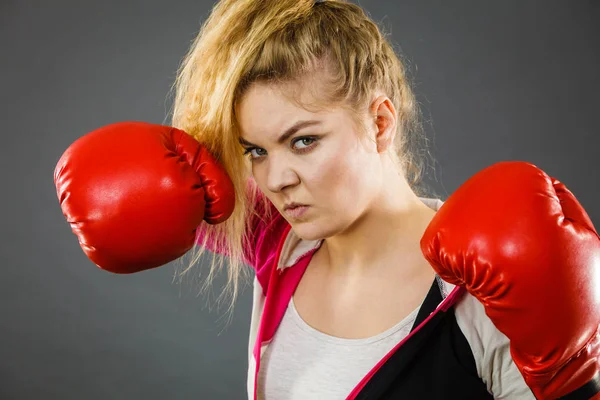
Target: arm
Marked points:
491	350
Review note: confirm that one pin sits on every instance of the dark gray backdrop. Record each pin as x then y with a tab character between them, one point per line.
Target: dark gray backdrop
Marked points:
498	80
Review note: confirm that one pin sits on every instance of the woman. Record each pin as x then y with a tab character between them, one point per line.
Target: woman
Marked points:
325	114
315	185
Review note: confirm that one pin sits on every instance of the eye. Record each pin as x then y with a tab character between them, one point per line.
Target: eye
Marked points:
308	144
250	152
306	141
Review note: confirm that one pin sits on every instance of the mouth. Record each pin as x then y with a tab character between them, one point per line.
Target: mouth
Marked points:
295	211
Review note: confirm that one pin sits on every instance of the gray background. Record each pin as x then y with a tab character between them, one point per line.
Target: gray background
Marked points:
497	80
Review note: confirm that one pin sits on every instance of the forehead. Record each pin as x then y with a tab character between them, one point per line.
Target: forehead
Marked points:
266	111
263	102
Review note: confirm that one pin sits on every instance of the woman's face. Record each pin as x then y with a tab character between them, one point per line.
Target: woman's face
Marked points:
318	159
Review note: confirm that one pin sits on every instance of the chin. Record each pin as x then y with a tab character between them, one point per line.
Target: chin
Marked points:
312	230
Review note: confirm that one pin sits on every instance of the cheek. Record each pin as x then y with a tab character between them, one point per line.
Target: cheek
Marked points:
343	181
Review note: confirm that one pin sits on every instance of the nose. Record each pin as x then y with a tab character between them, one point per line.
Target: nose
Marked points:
280	174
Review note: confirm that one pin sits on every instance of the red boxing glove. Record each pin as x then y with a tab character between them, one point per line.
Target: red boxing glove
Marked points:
134	194
520	242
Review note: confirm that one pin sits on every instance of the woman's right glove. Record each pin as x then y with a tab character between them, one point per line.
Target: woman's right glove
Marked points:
134	194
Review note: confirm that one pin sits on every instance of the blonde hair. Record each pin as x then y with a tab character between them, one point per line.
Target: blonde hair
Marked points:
247	41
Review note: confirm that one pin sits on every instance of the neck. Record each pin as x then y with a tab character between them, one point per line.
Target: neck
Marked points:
385	236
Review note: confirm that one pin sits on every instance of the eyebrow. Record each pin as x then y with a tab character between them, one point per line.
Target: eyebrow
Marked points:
289	132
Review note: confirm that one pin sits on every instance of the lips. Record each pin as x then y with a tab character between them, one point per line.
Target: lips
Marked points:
297	211
293	205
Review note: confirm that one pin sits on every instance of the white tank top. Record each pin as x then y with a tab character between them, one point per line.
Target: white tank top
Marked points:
303	363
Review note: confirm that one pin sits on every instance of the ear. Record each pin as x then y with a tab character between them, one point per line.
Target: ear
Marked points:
385	121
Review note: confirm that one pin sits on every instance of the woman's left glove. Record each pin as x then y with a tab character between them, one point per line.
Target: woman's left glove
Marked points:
520	242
